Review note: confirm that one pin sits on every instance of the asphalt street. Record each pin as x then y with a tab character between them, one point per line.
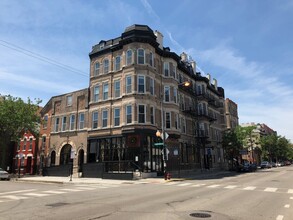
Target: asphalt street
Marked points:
263	195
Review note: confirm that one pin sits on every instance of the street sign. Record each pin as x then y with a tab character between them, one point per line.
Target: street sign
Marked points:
166	136
158	145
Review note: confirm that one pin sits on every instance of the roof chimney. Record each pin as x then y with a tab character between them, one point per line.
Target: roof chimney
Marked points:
215	83
160	38
183	57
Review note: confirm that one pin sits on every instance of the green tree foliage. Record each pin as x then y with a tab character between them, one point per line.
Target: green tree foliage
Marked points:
234	141
16	116
276	148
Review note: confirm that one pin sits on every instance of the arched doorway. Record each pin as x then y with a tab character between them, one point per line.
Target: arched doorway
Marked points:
65	154
80	160
53	158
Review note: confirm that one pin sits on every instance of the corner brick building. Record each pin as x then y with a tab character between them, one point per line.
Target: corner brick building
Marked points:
136	88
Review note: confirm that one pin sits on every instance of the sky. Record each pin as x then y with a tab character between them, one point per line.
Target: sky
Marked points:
246	45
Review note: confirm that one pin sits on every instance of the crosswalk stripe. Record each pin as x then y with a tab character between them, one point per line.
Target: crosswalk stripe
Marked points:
12	197
170	183
287	206
85	188
249	188
71	190
36	194
290	191
199	185
184	184
18	191
270	189
213	186
54	192
230	187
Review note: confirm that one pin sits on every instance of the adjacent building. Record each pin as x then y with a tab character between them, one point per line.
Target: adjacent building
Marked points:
25	154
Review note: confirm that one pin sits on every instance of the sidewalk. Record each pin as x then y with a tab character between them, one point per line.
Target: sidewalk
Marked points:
204	174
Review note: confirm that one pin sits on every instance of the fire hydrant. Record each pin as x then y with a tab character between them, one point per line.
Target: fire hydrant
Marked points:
167	176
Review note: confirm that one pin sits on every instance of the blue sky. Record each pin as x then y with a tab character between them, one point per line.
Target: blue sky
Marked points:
246	45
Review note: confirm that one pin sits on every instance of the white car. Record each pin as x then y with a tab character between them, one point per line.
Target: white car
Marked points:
4	175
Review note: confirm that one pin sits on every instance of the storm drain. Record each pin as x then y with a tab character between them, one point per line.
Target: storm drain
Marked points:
200	215
58	204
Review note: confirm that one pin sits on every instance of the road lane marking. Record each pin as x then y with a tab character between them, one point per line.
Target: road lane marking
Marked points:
85	188
170	183
290	191
12	197
35	194
270	189
230	187
287	206
213	186
72	190
249	188
280	217
198	185
291	197
184	184
54	192
18	191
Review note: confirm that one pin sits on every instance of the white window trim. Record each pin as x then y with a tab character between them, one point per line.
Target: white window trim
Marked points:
131	62
71	122
166	120
93	119
117	117
168	93
130	114
126	86
144	84
143	56
103	111
144	107
115	81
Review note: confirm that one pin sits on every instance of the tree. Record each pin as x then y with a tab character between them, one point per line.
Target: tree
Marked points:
276	148
15	116
232	143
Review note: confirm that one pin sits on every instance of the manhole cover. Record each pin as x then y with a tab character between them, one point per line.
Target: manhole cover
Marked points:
57	204
200	215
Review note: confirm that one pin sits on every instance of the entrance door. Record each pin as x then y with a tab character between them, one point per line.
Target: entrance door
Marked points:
28	165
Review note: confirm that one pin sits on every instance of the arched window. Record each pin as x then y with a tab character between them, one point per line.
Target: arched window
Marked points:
117	63
106	65
140	56
97	69
129	57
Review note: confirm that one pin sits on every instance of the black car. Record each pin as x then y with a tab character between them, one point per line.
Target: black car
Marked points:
247	167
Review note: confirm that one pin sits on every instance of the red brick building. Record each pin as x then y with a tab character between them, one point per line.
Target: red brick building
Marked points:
25	154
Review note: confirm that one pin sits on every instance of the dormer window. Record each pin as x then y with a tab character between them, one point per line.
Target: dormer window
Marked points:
102	45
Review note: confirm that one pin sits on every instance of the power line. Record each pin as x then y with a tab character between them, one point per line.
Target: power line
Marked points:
41	57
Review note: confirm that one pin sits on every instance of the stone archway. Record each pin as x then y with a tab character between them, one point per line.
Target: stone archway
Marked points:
65	154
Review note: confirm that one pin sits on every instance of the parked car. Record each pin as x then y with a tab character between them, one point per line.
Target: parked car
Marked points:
247	167
273	164
265	164
4	175
287	163
278	164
